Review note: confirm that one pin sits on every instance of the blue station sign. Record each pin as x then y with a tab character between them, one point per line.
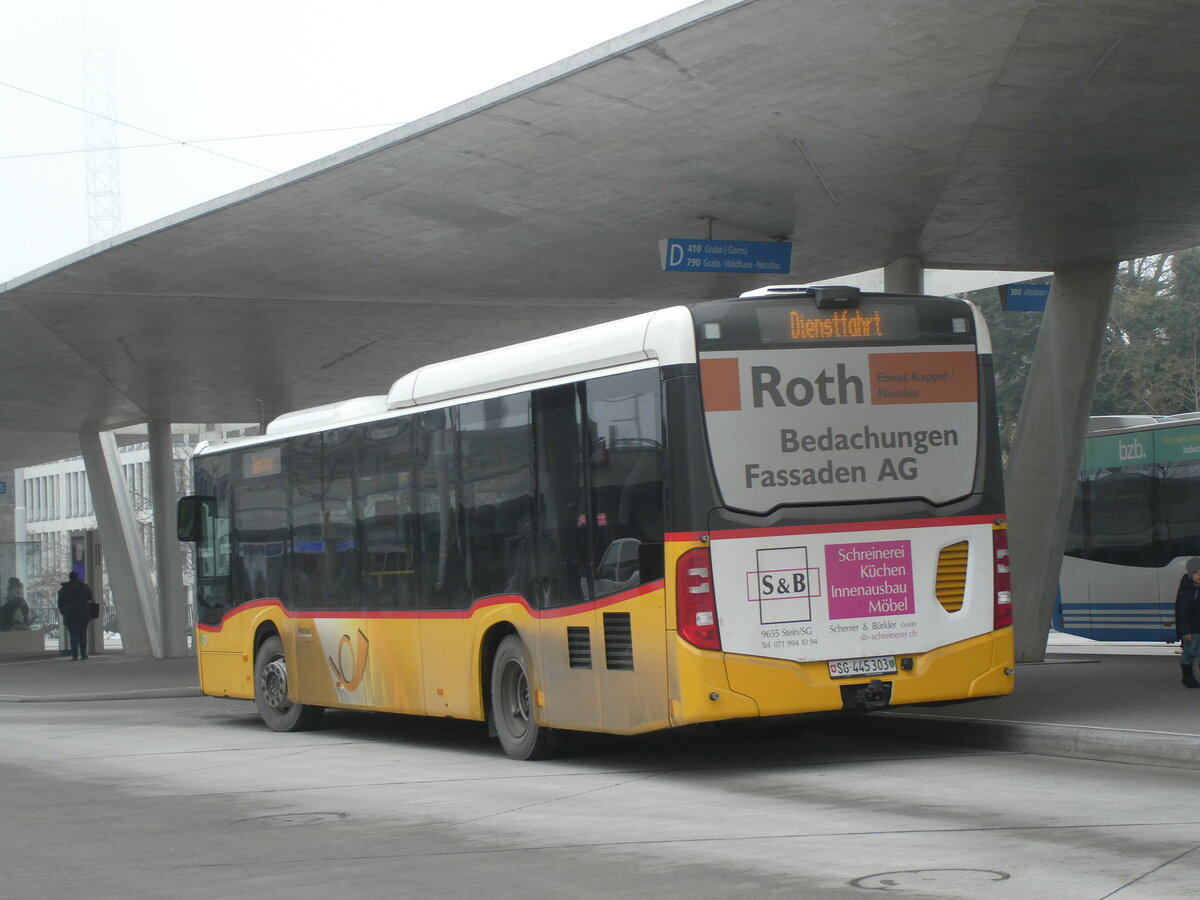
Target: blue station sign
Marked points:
1024	297
742	257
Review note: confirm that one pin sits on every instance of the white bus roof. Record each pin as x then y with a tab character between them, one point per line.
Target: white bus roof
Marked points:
328	415
665	336
1104	424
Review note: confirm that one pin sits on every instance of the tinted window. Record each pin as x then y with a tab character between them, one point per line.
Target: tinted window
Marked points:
339	538
387	515
213	599
1180	516
324	544
441	566
1122	516
626	474
804	405
562	560
1077	537
495	445
260	524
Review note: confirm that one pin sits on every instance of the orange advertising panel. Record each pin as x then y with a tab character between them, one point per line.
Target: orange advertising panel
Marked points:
923	378
719	379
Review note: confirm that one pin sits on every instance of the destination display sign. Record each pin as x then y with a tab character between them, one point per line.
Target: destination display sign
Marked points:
742	257
806	325
258	463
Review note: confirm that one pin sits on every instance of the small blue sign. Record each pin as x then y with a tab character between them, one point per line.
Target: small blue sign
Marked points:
741	257
3	487
1024	297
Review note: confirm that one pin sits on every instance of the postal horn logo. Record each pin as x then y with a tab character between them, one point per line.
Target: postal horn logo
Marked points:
349	658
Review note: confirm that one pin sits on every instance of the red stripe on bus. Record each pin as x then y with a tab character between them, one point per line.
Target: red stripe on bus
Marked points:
833	528
495	600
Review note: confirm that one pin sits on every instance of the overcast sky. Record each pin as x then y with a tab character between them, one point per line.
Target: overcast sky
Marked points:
206	73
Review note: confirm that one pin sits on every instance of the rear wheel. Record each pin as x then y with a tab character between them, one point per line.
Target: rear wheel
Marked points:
512	706
271	691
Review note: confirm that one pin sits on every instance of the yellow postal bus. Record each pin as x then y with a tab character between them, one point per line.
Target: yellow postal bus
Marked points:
772	505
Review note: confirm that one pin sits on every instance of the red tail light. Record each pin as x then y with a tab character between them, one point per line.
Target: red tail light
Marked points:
1002	579
695	605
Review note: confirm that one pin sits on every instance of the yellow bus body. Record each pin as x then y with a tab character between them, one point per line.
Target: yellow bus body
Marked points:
435	663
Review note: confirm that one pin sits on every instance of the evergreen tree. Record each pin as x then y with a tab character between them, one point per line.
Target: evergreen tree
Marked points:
1014	335
1150	359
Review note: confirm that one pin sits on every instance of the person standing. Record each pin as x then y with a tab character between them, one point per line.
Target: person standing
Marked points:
74	602
1187	620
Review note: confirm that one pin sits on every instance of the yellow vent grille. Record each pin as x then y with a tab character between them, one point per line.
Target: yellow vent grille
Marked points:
952	576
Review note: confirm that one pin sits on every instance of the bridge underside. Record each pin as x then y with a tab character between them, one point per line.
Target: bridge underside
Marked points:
1028	134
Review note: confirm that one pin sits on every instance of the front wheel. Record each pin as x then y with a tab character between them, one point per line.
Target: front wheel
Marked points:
271	691
512	706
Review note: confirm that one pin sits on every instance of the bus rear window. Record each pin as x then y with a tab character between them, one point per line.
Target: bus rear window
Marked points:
851	418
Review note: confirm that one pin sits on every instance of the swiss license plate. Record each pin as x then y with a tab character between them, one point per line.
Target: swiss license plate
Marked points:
859	668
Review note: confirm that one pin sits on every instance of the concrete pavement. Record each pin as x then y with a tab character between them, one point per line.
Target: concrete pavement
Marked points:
1094	701
102	676
1101	704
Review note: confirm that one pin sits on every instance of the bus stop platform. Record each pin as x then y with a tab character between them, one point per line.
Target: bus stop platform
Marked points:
1088	699
1119	703
48	677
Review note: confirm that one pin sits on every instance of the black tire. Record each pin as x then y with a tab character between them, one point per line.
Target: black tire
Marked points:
271	692
512	706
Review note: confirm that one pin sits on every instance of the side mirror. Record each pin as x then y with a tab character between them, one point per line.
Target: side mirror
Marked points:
192	517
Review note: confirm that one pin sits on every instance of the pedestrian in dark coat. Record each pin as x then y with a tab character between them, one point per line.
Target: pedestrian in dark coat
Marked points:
1187	620
74	602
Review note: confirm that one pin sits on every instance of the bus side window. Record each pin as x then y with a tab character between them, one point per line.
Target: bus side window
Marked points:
339	537
1180	509
213	593
324	569
442	567
385	516
1077	531
626	474
560	552
1122	517
496	446
260	525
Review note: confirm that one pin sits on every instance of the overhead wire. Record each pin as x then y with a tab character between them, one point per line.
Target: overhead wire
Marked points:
167	140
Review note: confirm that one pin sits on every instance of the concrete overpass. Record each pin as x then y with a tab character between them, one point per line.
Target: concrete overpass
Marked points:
1026	134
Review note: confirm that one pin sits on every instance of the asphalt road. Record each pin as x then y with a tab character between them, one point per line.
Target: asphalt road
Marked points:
193	797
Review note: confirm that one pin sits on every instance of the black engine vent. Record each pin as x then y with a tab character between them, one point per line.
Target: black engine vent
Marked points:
618	641
579	646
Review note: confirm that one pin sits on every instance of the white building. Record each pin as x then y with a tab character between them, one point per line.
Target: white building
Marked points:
52	504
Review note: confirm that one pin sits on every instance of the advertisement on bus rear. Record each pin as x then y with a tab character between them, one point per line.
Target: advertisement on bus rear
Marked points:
858	596
836	425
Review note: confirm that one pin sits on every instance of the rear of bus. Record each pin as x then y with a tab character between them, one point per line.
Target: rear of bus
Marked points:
842	544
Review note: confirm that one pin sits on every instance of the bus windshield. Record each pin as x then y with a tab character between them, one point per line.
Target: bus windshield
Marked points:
805	405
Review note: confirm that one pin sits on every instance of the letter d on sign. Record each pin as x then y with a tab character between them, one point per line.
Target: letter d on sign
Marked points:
676	255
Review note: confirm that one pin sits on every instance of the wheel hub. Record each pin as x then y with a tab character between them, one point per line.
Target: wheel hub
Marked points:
275	684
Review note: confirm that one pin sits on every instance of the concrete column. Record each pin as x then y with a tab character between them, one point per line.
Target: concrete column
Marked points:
905	275
128	568
172	600
94	558
1048	445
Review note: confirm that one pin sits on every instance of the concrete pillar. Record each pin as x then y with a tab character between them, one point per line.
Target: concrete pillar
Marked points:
1048	445
93	554
172	600
905	275
125	558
